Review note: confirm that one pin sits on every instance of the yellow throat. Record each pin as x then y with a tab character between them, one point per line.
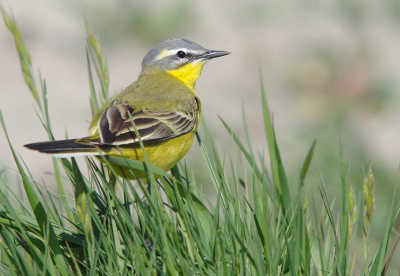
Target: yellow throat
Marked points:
188	73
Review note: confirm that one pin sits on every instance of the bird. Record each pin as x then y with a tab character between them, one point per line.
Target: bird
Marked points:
163	105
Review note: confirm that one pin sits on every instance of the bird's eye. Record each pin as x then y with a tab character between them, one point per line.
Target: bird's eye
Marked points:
181	54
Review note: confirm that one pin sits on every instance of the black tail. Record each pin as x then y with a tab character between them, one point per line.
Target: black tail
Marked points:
64	147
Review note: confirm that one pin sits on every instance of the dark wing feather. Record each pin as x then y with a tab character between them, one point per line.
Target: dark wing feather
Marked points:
115	126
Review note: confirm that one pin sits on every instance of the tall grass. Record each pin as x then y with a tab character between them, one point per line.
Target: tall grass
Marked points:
258	224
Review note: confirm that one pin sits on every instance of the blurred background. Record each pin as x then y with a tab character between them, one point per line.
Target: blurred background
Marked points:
331	69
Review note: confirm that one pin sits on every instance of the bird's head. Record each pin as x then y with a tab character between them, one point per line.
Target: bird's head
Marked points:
181	58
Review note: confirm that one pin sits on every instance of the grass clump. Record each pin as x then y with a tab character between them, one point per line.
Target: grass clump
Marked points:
257	225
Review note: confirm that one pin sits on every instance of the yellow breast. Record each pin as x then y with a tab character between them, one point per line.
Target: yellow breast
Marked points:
163	154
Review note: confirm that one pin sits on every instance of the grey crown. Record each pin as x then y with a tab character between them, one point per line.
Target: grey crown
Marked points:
172	61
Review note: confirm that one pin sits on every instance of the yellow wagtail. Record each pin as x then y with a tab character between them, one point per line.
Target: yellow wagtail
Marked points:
162	103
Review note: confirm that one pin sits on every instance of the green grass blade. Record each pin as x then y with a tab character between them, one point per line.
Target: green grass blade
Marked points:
24	55
378	263
7	261
137	165
386	268
306	165
93	98
37	207
18	260
248	157
344	228
247	132
99	63
276	164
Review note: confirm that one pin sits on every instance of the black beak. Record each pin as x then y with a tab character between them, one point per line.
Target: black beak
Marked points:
213	54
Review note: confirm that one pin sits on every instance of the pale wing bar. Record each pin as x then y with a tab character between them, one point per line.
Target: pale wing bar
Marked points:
115	126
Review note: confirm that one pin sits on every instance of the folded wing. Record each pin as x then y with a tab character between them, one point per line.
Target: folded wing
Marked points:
115	124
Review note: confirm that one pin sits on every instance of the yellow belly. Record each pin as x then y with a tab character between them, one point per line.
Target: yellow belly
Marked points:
163	154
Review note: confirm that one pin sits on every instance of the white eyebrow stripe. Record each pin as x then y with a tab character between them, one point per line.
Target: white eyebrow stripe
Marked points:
166	53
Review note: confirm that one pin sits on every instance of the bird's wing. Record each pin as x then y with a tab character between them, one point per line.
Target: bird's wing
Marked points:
115	126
